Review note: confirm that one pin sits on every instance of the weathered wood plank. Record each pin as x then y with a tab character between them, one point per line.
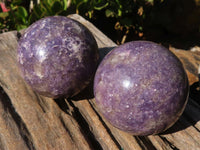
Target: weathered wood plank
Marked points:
190	60
31	121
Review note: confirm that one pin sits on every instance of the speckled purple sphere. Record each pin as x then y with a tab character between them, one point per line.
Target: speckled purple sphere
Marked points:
141	88
58	56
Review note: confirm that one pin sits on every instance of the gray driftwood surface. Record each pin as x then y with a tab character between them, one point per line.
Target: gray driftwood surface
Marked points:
31	121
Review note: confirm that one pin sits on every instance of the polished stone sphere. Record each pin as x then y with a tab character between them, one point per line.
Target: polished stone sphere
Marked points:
141	87
57	56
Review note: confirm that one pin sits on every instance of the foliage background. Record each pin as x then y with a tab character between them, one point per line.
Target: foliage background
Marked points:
175	22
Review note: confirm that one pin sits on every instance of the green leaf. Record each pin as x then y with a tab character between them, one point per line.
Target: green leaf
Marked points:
47	4
78	5
150	1
109	13
119	12
20	15
38	12
22	12
4	14
90	14
64	4
13	7
21	26
140	28
101	7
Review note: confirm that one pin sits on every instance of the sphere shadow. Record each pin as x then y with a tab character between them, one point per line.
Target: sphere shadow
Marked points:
188	118
88	93
62	104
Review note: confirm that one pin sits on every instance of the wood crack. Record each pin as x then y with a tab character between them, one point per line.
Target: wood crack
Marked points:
169	143
85	128
145	143
7	104
107	128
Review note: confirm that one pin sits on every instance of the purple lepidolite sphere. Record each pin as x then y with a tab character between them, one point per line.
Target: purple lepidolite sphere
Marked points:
141	88
58	56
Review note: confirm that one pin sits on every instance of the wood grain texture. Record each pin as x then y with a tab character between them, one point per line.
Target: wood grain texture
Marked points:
31	121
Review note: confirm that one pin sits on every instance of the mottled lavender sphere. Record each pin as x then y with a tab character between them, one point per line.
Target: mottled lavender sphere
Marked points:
141	88
58	56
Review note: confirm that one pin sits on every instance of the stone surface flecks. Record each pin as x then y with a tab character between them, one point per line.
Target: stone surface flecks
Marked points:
58	56
141	87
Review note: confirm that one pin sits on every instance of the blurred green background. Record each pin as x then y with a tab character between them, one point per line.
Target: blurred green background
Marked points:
171	22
